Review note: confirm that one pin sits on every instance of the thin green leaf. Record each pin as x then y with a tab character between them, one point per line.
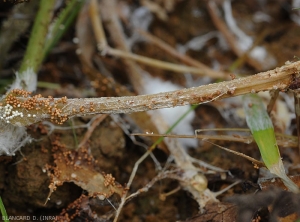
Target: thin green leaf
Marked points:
61	24
263	133
3	211
32	58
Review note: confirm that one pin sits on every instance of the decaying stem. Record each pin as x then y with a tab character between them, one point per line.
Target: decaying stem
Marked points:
279	78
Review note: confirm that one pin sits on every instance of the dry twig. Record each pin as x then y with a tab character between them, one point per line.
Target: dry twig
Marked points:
184	58
90	130
279	78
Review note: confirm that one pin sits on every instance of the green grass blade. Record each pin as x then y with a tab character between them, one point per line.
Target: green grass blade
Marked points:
61	24
32	58
265	139
263	133
3	211
261	128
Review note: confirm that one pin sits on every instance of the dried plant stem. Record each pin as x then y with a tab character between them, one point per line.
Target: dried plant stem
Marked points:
184	58
113	25
133	173
241	139
284	141
162	65
91	129
254	161
124	52
297	112
279	78
274	96
97	25
160	176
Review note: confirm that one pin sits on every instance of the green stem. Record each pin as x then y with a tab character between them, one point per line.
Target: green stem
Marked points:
3	211
32	58
263	133
64	20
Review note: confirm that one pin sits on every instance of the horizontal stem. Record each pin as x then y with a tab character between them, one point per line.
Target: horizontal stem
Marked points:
161	64
279	78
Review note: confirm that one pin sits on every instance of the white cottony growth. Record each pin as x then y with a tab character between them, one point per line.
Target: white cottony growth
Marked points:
27	80
171	115
197	43
245	42
141	18
12	138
